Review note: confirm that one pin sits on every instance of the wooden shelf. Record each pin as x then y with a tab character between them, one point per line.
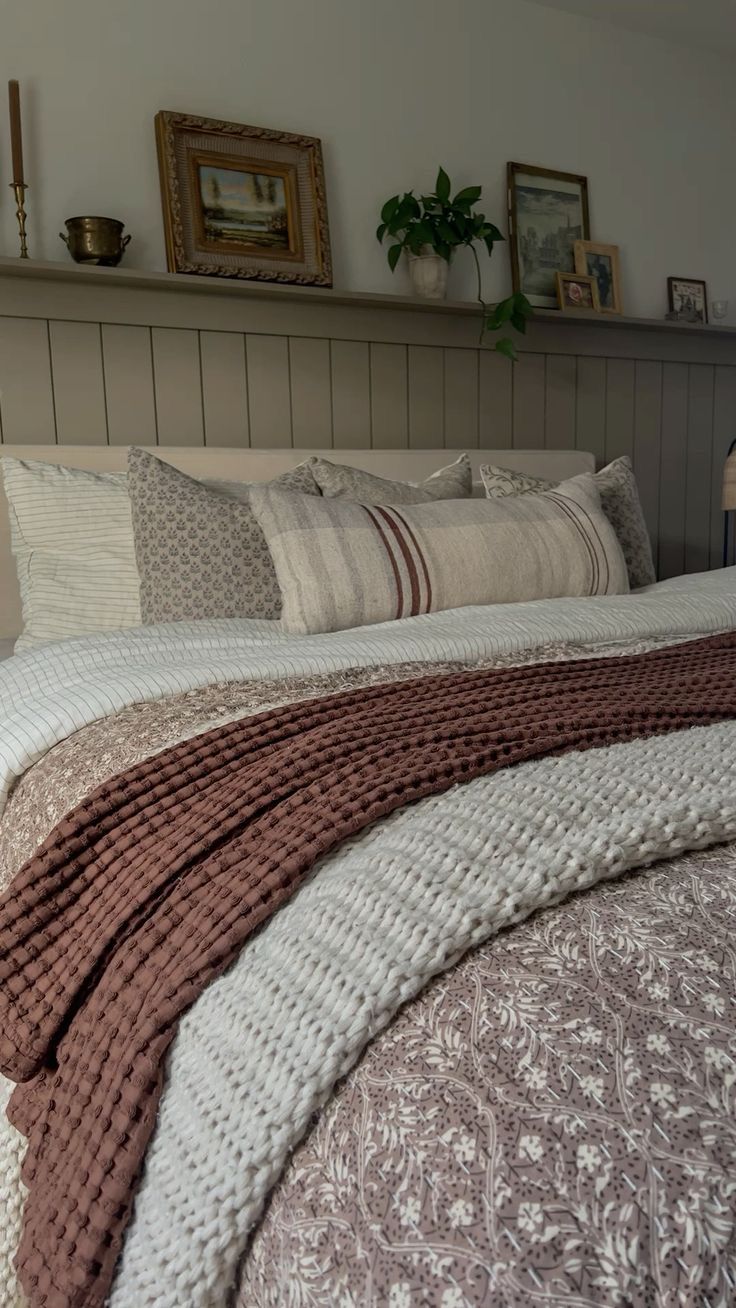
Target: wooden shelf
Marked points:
143	278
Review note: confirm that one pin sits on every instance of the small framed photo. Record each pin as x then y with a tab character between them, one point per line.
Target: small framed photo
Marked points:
577	292
601	262
688	299
548	213
242	201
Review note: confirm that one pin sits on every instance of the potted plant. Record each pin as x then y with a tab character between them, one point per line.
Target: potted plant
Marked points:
429	230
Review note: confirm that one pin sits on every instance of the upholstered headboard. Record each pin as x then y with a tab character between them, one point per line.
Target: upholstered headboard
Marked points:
260	465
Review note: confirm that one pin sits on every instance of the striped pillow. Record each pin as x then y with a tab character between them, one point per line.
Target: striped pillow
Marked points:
72	538
345	565
616	485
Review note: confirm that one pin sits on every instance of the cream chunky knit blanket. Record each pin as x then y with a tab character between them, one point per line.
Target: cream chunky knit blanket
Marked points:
262	1048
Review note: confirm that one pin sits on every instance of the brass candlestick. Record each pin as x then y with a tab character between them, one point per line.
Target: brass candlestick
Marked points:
18	189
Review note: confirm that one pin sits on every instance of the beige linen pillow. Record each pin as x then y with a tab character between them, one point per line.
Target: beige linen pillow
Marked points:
200	551
620	502
72	540
346	565
338	481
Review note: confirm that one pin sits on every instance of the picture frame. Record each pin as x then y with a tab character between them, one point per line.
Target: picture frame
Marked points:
602	262
577	292
688	299
243	202
547	212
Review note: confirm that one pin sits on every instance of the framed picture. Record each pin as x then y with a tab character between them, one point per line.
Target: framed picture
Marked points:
548	213
242	201
688	299
577	292
601	262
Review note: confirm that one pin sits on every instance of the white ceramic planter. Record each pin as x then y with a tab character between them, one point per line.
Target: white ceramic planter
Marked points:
428	273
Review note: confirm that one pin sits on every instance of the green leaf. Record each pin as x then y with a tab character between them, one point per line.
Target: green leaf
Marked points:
446	231
429	201
389	209
394	255
493	232
499	315
421	234
381	231
442	186
507	348
468	195
488	242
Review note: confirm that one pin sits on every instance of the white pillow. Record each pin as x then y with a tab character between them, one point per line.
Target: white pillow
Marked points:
72	539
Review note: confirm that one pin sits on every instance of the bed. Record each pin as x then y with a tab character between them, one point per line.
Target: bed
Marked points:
477	1045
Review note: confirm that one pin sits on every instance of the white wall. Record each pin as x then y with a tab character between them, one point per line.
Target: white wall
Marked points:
393	87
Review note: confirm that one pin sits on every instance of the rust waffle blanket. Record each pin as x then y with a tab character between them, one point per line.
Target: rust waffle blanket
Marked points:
152	885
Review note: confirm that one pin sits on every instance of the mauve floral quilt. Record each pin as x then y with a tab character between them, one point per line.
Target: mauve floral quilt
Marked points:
552	1122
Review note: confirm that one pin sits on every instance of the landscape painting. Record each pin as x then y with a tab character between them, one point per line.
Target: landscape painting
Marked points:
548	214
244	208
242	201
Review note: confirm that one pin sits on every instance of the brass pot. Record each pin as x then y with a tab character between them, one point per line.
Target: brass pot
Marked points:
95	240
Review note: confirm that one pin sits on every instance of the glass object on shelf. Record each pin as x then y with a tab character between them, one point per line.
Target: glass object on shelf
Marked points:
719	309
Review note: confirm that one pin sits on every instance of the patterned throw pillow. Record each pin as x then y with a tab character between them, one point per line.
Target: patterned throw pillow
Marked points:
199	549
338	481
619	500
342	564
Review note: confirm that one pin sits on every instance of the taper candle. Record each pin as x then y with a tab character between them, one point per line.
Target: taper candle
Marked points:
16	139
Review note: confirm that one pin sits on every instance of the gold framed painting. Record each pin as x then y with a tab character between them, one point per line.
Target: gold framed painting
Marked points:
601	262
577	293
548	212
242	201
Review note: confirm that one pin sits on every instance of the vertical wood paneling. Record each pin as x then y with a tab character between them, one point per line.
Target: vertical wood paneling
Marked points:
647	437
529	390
224	389
461	399
311	392
178	386
128	370
351	395
560	402
724	431
619	408
26	392
495	401
86	382
590	415
79	388
699	464
673	470
269	398
389	397
426	397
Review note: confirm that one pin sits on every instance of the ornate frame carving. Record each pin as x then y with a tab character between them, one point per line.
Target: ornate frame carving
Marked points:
168	125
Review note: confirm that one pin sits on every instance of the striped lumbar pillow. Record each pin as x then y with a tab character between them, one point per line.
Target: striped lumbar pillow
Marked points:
616	485
72	539
346	565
